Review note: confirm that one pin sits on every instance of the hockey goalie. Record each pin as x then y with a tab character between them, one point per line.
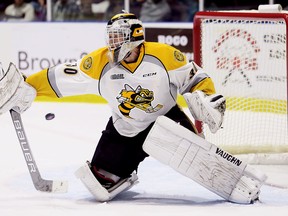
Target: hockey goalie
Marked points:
141	81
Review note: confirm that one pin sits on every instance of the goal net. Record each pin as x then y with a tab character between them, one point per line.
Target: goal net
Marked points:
245	53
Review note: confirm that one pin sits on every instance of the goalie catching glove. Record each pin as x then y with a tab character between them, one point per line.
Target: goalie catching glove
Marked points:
209	109
15	93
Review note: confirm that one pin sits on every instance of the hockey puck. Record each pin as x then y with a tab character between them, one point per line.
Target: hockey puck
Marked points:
50	116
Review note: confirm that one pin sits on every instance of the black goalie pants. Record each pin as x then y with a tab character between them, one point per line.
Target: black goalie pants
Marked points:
121	155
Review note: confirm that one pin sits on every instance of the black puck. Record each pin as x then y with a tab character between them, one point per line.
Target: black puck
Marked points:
50	116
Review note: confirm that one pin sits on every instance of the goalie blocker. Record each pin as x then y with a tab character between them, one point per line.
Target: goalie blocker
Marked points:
203	162
15	93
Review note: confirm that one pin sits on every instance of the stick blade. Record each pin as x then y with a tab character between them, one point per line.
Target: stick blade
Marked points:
60	187
51	186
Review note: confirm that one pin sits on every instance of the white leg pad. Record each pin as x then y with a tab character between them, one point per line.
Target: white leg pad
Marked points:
100	193
248	187
203	162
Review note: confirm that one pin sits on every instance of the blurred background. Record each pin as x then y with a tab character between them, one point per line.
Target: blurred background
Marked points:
102	10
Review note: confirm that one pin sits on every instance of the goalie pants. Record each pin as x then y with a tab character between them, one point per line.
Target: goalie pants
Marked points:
121	155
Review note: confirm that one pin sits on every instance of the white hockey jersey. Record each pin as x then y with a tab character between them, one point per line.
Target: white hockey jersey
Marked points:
137	92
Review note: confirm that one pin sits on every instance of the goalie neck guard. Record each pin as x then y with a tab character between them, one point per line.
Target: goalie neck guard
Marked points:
124	32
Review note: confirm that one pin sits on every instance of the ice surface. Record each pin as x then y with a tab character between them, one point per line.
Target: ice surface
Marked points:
63	144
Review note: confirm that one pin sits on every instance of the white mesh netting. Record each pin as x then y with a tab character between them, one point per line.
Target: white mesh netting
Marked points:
247	60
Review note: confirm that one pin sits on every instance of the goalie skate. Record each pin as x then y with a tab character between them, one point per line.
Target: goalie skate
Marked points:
100	193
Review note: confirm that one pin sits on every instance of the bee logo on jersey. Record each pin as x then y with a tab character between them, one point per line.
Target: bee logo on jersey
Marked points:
140	98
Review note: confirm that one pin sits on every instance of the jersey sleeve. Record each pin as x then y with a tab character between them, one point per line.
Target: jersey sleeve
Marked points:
68	79
41	83
63	80
191	77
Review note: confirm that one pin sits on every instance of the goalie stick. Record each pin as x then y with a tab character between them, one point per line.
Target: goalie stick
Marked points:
39	183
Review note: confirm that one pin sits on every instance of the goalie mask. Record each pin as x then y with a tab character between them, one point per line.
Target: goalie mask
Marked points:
124	32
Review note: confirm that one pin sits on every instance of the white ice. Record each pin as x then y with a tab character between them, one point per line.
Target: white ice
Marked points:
63	144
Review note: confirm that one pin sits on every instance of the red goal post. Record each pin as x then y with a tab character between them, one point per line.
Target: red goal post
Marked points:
245	53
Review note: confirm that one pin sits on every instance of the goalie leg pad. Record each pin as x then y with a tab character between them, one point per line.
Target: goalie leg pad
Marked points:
100	193
248	186
201	161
